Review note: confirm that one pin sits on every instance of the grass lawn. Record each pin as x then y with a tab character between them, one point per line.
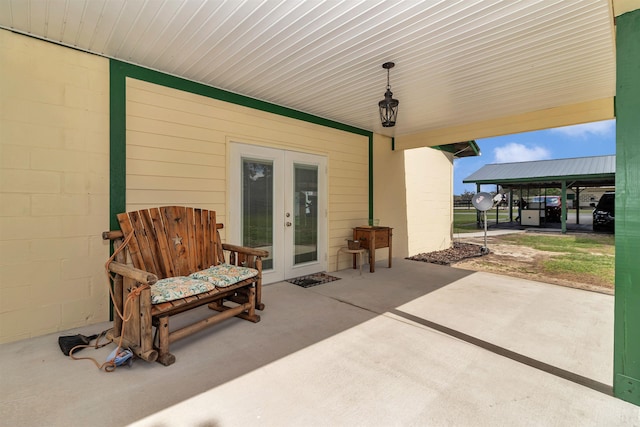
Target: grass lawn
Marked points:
464	220
578	258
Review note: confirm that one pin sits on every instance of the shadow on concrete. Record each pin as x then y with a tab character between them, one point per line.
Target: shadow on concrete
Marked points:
35	373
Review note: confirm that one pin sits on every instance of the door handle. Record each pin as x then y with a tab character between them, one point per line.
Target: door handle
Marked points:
288	224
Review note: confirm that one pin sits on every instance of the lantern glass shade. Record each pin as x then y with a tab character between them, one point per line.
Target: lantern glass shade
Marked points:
388	109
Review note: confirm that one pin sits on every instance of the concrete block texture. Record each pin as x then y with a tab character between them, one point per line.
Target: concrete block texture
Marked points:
54	187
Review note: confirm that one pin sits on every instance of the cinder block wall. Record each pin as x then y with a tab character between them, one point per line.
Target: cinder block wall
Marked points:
54	187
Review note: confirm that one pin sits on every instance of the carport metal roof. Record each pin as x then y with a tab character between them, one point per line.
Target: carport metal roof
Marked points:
593	171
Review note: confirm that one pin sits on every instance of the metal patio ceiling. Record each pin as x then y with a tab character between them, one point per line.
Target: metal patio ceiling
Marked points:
457	62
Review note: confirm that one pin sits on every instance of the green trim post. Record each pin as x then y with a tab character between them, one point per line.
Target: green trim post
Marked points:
511	205
117	142
626	350
563	208
477	211
577	203
371	177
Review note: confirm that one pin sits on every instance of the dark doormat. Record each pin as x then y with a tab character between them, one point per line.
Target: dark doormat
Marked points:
312	280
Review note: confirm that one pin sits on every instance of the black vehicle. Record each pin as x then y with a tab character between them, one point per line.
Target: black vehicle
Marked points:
604	212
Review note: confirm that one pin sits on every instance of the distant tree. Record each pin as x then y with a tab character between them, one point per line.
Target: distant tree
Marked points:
467	195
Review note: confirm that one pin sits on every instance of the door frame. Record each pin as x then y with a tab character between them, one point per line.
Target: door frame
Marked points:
293	158
283	165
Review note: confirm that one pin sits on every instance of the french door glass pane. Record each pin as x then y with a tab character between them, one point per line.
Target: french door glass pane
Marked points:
257	207
305	213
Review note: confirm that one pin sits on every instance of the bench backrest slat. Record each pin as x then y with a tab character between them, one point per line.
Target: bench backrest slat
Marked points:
171	240
164	255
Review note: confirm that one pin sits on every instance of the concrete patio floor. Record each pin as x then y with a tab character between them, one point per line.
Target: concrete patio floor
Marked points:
418	344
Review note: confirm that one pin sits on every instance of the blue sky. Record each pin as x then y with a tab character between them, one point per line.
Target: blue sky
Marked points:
590	139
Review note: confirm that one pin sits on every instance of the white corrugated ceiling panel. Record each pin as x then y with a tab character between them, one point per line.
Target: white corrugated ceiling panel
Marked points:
456	61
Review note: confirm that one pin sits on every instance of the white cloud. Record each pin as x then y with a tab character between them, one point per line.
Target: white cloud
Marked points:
514	152
605	128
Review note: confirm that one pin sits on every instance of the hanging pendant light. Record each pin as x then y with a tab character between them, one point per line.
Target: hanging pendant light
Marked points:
388	106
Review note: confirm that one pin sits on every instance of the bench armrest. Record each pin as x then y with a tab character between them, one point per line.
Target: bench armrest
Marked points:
244	250
136	274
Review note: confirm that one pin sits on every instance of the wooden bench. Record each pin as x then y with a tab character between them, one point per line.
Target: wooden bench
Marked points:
182	246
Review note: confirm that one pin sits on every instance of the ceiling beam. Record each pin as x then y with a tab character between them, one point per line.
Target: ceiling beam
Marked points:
585	112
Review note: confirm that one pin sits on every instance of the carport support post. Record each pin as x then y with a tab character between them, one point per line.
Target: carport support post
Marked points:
511	205
497	205
576	201
626	349
477	211
563	208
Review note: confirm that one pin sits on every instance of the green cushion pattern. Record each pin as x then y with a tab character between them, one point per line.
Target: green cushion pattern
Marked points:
173	288
224	275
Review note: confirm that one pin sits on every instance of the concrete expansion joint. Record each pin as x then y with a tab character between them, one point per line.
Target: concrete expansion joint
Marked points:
356	306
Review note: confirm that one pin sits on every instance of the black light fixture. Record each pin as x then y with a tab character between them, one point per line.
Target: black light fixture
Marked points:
388	106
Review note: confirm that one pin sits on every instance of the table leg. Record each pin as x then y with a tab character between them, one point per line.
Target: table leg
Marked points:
390	246
372	259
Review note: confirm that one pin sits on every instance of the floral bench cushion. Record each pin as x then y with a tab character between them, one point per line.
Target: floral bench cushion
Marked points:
173	288
221	276
224	275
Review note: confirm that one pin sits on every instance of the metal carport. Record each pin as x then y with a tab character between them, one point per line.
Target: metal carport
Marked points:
596	171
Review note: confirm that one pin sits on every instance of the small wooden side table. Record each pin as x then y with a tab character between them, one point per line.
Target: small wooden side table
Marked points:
373	238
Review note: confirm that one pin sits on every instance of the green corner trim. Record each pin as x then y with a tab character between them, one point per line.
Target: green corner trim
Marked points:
627	388
371	176
117	143
626	347
563	208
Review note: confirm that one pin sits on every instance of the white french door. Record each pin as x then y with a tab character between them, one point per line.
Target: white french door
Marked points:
278	203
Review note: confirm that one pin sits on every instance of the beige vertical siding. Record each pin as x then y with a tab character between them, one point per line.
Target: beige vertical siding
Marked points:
413	193
389	197
429	182
178	143
54	187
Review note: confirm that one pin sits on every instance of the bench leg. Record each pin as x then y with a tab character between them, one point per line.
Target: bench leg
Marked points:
258	266
251	312
246	299
164	356
250	306
259	304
